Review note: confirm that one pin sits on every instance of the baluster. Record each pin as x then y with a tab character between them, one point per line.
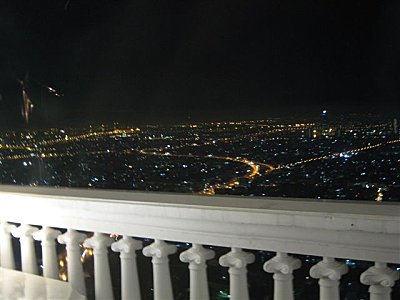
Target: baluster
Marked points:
197	257
380	278
102	276
282	265
328	271
6	250
28	256
127	246
237	261
47	237
159	251
72	239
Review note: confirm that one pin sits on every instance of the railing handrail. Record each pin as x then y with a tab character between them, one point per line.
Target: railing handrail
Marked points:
355	229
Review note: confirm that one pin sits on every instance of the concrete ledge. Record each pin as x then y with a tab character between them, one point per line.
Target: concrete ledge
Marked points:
354	230
19	285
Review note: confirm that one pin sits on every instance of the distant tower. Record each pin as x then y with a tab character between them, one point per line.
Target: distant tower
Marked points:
324	119
324	115
395	126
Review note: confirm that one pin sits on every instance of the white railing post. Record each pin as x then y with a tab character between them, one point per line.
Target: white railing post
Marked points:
6	250
159	251
237	261
102	277
47	237
130	287
328	271
28	256
381	279
197	257
73	239
282	265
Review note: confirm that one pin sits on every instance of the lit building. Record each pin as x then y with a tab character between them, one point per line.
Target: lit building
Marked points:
324	119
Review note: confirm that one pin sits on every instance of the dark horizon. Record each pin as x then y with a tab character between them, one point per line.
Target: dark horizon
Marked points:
173	61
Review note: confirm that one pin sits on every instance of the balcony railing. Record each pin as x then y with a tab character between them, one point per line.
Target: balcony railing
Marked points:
328	229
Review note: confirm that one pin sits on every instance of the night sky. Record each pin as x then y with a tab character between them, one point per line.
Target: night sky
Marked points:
170	61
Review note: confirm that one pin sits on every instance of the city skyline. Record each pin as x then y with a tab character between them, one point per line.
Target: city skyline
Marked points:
343	159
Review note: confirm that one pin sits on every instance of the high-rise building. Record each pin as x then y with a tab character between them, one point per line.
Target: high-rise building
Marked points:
395	126
324	119
324	115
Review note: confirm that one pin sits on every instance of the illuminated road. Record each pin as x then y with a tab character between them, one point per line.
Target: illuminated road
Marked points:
210	189
255	167
335	155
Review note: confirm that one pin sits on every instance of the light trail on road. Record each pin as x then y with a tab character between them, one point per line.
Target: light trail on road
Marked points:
210	189
335	155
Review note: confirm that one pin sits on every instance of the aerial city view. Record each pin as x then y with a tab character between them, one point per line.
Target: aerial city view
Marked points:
343	158
353	158
251	100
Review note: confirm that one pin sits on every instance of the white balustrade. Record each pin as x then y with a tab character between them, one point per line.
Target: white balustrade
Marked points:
6	250
237	260
381	279
159	251
28	255
130	287
197	257
102	277
282	266
47	236
328	271
73	239
345	230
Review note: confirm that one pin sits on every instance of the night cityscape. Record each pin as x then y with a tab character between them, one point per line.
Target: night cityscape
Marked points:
324	158
346	158
265	99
